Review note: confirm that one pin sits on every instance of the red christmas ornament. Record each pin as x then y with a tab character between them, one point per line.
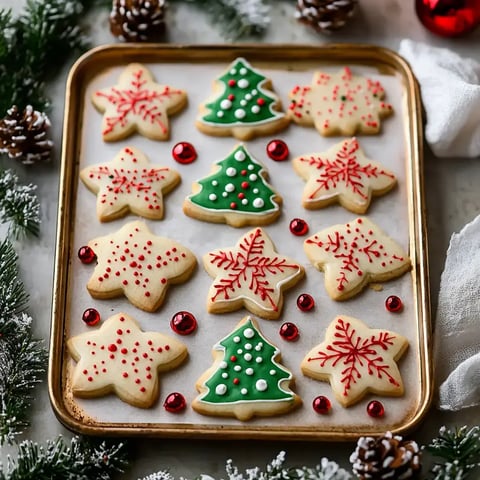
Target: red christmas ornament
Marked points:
375	409
321	405
393	304
289	331
86	254
175	403
184	152
449	18
298	227
305	302
277	150
91	317
183	323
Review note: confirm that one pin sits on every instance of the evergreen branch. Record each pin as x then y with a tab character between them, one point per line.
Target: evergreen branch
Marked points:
19	206
81	460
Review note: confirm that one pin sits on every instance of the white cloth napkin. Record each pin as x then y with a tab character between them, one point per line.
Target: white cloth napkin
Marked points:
450	88
457	327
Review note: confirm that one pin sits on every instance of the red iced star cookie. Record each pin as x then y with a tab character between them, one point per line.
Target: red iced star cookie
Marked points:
137	103
356	359
135	263
121	358
342	174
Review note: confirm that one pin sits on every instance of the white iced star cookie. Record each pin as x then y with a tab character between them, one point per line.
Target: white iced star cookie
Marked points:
356	360
129	183
138	264
252	275
342	174
353	255
120	358
137	103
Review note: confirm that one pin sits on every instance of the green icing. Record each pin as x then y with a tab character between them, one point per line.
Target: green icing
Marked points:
233	375
237	186
243	101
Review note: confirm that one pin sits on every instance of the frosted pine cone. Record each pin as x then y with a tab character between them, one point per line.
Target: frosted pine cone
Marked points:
325	16
23	135
386	457
138	20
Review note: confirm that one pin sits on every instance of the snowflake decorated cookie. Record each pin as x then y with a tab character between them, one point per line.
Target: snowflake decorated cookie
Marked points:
252	275
340	104
243	105
120	358
137	103
342	174
129	183
353	255
236	193
246	378
357	360
138	264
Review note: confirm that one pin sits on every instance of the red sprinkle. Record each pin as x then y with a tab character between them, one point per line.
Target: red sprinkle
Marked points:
183	323
86	254
184	153
175	403
289	331
277	150
91	317
321	405
375	409
305	302
393	304
298	227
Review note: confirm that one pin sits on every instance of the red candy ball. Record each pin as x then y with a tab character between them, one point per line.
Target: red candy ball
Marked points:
91	317
183	323
305	302
86	254
298	227
289	331
393	304
184	153
174	403
277	150
321	405
375	409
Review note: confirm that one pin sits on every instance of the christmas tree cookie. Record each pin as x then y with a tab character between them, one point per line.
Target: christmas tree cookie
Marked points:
246	378
356	360
236	193
340	104
353	255
252	275
342	174
243	105
120	358
138	264
137	104
129	183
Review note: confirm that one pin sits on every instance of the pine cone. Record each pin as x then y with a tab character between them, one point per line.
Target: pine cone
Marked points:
23	135
138	20
386	457
325	16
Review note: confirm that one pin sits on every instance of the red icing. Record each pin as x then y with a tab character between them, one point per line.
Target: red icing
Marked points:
277	150
183	323
86	254
321	405
184	152
375	409
299	227
175	403
289	331
91	317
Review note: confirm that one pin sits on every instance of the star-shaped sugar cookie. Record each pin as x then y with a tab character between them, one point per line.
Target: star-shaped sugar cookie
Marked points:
353	255
342	174
252	275
340	104
356	359
120	358
138	264
129	183
137	103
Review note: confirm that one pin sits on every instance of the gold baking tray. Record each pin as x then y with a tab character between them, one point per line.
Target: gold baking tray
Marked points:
402	414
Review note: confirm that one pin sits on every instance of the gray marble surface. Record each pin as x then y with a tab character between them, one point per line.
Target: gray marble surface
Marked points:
452	199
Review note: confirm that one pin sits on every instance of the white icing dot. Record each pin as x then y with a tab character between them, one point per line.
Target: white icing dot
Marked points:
212	197
252	177
230	187
258	203
219	114
224	194
239	156
239	351
248	96
247	357
243	71
243	103
221	389
236	338
233	71
259	346
223	365
248	333
249	371
225	104
255	191
231	172
243	391
259	359
255	109
214	183
272	372
250	167
237	368
254	91
224	375
243	83
261	385
248	346
244	201
239	113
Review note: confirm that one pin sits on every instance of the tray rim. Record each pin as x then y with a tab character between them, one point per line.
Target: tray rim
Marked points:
331	53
